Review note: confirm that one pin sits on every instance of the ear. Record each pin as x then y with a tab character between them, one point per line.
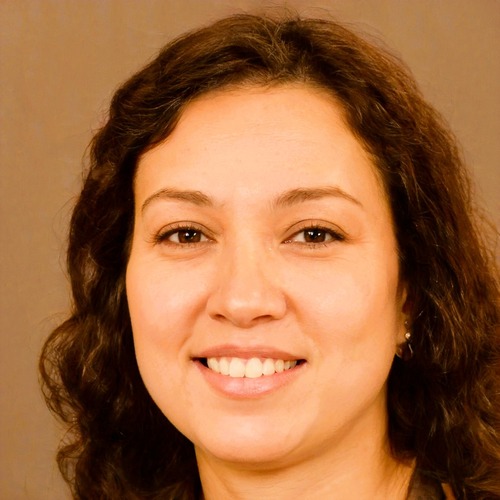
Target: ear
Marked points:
405	307
404	298
403	348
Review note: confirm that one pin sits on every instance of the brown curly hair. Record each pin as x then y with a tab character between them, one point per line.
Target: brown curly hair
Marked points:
443	404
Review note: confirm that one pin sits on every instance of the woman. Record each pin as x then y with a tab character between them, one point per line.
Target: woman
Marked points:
279	284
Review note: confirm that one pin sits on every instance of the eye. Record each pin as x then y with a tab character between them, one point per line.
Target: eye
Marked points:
187	236
315	235
181	235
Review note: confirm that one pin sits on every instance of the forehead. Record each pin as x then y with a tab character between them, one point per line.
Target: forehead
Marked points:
260	109
256	138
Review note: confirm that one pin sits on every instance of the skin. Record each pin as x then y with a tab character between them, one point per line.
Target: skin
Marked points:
244	275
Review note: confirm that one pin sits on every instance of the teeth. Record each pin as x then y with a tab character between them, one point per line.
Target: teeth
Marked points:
268	367
213	364
253	368
236	368
249	368
224	366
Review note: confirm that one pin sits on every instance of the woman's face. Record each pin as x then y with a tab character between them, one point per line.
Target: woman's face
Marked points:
263	279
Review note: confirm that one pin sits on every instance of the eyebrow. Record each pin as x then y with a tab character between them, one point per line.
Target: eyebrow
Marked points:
300	195
286	199
195	197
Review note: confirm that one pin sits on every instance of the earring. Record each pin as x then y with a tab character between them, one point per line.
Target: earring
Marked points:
405	350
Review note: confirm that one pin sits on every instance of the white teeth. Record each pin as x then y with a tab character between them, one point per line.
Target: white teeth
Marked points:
253	369
223	366
249	368
236	368
279	366
268	367
213	364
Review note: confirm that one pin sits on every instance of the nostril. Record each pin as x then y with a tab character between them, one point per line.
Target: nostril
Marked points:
246	299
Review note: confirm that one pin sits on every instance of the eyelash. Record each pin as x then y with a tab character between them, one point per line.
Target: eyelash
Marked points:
163	236
335	235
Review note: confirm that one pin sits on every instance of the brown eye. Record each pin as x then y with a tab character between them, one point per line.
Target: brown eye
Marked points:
187	236
315	236
182	236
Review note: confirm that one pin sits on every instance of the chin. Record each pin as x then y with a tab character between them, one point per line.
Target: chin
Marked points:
249	454
248	443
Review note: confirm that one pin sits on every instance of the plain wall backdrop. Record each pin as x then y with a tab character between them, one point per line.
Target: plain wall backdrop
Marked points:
60	61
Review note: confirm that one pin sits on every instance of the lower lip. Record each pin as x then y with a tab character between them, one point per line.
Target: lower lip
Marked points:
248	388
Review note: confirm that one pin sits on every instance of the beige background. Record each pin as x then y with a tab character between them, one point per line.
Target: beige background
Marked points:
60	61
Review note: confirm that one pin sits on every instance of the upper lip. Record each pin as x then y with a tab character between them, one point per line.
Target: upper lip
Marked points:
234	351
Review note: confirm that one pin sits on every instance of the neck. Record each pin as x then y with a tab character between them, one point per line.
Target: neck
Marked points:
361	472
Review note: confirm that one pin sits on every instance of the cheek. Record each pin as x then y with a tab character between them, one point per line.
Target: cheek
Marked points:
159	301
352	311
149	313
156	316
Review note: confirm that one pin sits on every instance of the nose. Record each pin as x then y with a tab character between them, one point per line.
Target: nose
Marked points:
247	291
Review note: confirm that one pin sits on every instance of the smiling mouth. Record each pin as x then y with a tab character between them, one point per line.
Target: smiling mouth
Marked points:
248	368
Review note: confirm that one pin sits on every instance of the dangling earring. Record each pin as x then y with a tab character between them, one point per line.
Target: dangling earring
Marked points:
405	350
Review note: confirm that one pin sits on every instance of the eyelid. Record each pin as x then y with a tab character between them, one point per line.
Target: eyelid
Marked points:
337	234
334	230
161	236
